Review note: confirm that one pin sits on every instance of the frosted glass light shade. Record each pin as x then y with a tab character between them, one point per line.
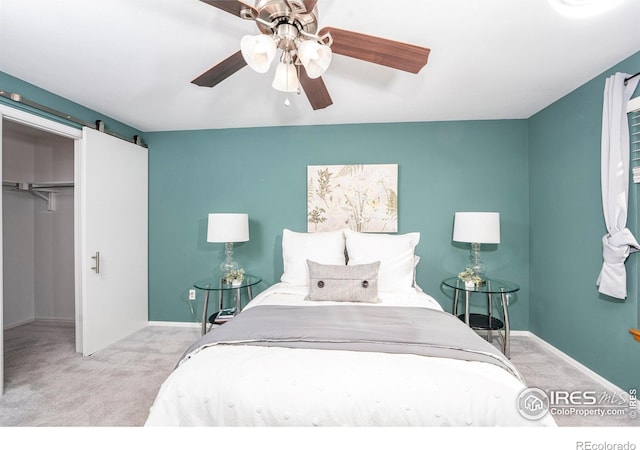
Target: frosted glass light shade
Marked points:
258	51
314	57
286	79
228	228
477	227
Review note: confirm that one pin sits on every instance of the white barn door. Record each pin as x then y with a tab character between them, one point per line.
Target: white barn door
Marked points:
113	248
111	218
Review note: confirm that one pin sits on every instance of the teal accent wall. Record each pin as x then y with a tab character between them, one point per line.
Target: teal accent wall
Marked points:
443	167
11	84
567	226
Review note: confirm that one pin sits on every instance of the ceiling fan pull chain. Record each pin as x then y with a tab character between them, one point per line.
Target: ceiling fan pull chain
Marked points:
287	102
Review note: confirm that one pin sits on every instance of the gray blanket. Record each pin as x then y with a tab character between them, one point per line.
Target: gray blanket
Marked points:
408	330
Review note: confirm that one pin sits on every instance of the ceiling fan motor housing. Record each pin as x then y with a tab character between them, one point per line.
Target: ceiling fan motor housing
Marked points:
282	11
286	34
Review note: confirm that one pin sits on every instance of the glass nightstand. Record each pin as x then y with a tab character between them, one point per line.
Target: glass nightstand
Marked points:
215	284
484	321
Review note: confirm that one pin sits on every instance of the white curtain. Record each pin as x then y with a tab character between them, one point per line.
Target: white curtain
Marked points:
619	242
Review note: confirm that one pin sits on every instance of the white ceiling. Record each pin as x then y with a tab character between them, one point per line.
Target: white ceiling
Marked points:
133	60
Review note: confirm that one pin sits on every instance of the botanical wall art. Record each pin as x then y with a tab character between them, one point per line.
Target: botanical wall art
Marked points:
359	197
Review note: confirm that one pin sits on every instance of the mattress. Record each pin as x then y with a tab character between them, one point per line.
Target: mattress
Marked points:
262	385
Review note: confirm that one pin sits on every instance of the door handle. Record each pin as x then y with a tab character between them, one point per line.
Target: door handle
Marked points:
97	266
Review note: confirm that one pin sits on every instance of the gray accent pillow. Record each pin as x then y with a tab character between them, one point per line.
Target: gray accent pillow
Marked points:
358	283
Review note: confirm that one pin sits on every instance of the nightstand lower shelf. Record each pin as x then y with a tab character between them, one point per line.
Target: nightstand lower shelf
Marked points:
481	322
222	316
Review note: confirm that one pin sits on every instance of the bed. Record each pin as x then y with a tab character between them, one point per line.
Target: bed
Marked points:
343	342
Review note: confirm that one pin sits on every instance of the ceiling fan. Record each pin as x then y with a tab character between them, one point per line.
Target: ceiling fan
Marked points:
292	27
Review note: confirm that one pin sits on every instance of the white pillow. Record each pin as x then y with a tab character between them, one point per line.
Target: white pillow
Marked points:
325	247
395	253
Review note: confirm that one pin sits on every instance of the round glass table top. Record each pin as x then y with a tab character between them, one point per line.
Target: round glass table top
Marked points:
216	284
490	286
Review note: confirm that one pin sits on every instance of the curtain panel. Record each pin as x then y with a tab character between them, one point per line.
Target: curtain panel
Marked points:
618	243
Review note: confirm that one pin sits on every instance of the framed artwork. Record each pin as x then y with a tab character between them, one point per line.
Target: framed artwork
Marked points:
359	197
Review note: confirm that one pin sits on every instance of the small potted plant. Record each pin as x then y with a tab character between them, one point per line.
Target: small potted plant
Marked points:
470	278
234	277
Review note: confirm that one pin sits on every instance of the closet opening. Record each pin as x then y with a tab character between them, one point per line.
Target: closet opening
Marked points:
38	230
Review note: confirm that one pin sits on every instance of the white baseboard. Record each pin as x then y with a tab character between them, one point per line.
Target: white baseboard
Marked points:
17	324
37	319
156	323
560	354
53	320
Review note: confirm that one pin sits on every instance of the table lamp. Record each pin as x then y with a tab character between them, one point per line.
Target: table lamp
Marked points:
477	228
228	228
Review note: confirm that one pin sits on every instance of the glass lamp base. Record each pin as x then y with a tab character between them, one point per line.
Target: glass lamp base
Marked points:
478	269
228	266
476	266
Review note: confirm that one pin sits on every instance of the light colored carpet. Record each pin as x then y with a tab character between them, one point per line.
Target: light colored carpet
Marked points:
48	384
543	369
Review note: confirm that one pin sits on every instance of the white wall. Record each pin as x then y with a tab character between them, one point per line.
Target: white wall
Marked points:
53	232
38	244
19	272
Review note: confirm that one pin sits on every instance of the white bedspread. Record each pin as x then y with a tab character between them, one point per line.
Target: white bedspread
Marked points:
243	385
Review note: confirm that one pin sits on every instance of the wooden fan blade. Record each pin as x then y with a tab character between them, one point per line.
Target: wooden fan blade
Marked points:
315	90
221	71
310	4
398	55
231	6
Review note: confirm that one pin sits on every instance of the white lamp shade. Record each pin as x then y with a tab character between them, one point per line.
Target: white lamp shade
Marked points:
258	51
286	79
228	228
477	227
314	57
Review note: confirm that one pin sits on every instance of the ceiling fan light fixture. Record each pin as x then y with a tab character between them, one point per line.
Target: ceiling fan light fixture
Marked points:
315	57
258	51
286	79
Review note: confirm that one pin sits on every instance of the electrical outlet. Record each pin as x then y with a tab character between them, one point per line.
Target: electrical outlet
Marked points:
192	294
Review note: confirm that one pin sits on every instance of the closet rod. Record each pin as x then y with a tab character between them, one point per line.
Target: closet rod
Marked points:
37	189
98	125
37	186
50	186
630	78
